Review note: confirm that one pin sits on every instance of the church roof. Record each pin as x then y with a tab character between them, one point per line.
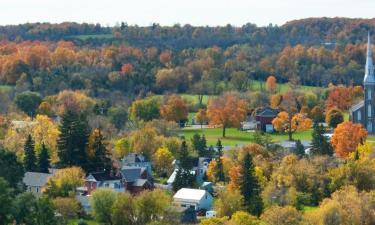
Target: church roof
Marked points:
369	70
357	106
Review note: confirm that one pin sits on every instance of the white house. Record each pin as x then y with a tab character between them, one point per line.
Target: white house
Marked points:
35	182
193	198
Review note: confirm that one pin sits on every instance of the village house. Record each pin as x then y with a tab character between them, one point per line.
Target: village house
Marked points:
196	199
137	160
136	179
264	117
103	180
35	182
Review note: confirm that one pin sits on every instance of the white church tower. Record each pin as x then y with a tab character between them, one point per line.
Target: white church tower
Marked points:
369	90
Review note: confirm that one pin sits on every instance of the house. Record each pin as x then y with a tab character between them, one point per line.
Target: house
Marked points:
103	180
136	179
364	111
193	198
264	117
200	166
137	160
35	182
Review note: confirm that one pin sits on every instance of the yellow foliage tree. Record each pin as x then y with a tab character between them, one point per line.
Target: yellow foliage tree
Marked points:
162	160
299	122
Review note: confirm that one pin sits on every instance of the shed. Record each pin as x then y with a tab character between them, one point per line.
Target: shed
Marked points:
193	198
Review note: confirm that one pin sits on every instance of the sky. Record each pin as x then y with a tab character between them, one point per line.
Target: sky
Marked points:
169	12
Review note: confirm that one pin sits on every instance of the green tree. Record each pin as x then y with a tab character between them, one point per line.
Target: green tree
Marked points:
98	154
200	145
43	159
6	199
145	109
184	178
24	207
299	150
11	170
250	188
45	212
73	140
28	102
118	117
219	162
320	144
30	159
102	202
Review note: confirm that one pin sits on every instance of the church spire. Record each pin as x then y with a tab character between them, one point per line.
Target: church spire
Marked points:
369	70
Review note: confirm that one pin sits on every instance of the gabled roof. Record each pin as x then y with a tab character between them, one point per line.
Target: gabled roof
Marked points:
190	194
101	176
140	182
134	158
131	174
36	179
267	112
357	106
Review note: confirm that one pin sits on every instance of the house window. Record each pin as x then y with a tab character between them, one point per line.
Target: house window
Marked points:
369	127
369	110
359	116
369	94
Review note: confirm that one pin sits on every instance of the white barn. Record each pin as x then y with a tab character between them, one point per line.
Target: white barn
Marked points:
193	198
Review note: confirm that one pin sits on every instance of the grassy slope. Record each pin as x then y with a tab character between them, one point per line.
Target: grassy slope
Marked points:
235	136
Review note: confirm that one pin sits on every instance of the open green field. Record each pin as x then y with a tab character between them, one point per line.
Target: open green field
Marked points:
256	85
89	222
5	88
92	36
235	136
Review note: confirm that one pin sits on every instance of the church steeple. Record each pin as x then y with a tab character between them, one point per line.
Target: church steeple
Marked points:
369	70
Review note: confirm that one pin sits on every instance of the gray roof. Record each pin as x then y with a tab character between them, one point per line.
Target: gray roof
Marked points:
369	69
131	174
140	182
133	158
35	179
357	106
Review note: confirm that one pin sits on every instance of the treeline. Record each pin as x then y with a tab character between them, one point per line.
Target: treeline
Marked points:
310	31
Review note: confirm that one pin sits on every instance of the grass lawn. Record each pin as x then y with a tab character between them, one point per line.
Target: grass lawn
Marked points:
5	88
93	36
235	136
256	85
309	208
89	222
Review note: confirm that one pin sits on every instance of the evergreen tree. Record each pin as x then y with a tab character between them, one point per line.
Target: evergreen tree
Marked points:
250	188
98	154
73	139
320	144
200	145
219	162
184	178
30	159
299	149
43	160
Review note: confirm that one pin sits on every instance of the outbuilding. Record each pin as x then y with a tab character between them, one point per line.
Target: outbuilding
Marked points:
196	199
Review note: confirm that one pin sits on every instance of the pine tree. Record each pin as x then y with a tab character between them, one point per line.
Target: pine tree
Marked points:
203	147
184	178
250	188
73	139
30	159
299	149
98	154
219	162
320	144
43	160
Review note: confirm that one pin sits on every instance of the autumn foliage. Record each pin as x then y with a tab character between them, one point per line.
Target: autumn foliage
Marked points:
226	111
299	122
174	109
271	84
342	97
346	138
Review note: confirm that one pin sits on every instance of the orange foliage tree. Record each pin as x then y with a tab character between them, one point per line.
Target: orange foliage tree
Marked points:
346	138
165	57
174	109
201	116
271	84
227	110
342	97
127	68
299	122
275	100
